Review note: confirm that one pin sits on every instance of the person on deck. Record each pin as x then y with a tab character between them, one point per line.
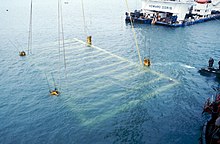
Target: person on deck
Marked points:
211	62
215	111
219	65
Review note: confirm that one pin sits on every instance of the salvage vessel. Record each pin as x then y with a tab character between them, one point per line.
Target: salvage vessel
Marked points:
175	13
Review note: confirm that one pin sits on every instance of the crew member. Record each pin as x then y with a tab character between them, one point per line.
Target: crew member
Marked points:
219	65
211	62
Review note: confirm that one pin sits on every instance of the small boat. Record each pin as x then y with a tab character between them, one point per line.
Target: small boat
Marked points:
210	133
211	129
175	13
210	70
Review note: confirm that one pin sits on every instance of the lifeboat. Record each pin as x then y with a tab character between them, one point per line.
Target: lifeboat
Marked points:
210	133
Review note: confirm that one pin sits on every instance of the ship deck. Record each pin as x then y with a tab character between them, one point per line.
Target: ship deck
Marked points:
185	23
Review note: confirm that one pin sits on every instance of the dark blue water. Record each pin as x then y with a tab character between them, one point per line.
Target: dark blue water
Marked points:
106	96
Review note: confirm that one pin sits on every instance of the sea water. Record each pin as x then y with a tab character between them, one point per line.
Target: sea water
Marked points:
106	95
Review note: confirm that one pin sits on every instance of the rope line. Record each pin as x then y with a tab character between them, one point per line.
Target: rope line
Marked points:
84	19
47	81
134	34
147	44
59	43
64	55
30	32
54	83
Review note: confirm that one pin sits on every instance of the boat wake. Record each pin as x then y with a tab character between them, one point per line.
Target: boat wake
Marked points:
187	66
174	63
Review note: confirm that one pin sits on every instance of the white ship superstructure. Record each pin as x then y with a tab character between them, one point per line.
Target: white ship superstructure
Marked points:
176	13
164	8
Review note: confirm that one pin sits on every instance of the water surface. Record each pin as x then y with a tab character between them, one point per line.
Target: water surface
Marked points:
106	96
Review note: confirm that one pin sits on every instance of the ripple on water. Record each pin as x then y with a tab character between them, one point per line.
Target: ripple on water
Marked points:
103	99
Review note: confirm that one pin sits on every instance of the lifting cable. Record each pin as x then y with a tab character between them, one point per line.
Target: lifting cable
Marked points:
147	44
149	49
147	60
47	82
59	43
54	83
61	20
30	32
84	20
134	34
89	38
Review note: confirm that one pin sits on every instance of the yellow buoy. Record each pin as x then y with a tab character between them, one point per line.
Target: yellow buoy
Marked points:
89	40
147	62
54	93
22	53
